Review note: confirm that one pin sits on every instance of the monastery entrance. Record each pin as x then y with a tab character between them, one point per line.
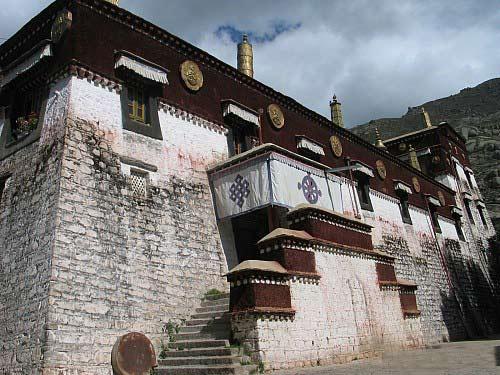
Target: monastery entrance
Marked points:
248	229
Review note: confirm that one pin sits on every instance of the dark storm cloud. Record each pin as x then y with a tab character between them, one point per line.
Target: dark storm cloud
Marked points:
378	56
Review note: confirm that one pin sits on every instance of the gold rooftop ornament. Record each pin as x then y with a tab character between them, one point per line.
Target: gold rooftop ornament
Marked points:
378	142
245	57
426	118
336	146
114	2
413	158
336	111
191	75
276	116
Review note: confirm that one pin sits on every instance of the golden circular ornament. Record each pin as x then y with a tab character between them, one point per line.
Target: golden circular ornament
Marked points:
336	146
402	146
441	198
276	116
382	172
416	184
191	75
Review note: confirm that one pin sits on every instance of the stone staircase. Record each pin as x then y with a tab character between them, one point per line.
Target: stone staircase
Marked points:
202	345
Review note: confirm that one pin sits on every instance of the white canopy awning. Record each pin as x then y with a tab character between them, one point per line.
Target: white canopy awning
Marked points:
143	68
361	168
467	195
433	201
456	211
312	146
233	109
403	187
27	63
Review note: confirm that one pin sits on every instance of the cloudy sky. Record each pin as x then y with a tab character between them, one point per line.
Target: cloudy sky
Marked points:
379	57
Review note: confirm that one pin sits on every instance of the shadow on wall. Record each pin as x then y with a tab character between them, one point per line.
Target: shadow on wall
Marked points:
497	355
472	312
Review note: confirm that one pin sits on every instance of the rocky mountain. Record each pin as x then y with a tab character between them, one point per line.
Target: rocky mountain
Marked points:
474	113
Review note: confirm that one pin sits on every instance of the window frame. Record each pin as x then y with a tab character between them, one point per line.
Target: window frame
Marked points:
434	218
363	190
468	209
151	92
8	143
404	207
480	210
458	227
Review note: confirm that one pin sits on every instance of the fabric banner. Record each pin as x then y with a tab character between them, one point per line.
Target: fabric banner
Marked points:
242	190
293	186
275	179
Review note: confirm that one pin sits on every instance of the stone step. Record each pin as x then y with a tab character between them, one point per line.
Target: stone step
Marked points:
216	297
188	344
206	361
225	319
206	328
221	301
204	370
212	308
210	315
201	335
202	352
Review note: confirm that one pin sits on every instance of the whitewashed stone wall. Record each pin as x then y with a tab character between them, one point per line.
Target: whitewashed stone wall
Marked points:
27	229
122	263
346	316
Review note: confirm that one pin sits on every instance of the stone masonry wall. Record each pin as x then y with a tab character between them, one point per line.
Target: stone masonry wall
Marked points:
346	316
27	229
125	263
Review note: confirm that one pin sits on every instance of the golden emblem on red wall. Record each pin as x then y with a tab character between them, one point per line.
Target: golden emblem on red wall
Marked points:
276	116
191	75
382	172
62	23
336	146
441	198
416	184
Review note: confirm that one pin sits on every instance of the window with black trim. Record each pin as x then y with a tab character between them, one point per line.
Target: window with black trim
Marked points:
458	227
404	207
481	215
26	112
363	188
434	218
139	102
469	211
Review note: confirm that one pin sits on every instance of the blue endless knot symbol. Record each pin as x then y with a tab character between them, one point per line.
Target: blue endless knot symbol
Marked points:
239	190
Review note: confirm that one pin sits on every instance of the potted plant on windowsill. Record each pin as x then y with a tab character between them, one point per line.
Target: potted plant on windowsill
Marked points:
25	125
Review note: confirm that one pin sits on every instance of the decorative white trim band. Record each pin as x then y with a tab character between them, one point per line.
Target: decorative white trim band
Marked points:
403	187
305	143
147	71
30	62
177	112
243	114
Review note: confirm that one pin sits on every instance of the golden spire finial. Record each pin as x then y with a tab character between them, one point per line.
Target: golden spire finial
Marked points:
245	57
427	119
336	110
114	2
413	158
379	143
